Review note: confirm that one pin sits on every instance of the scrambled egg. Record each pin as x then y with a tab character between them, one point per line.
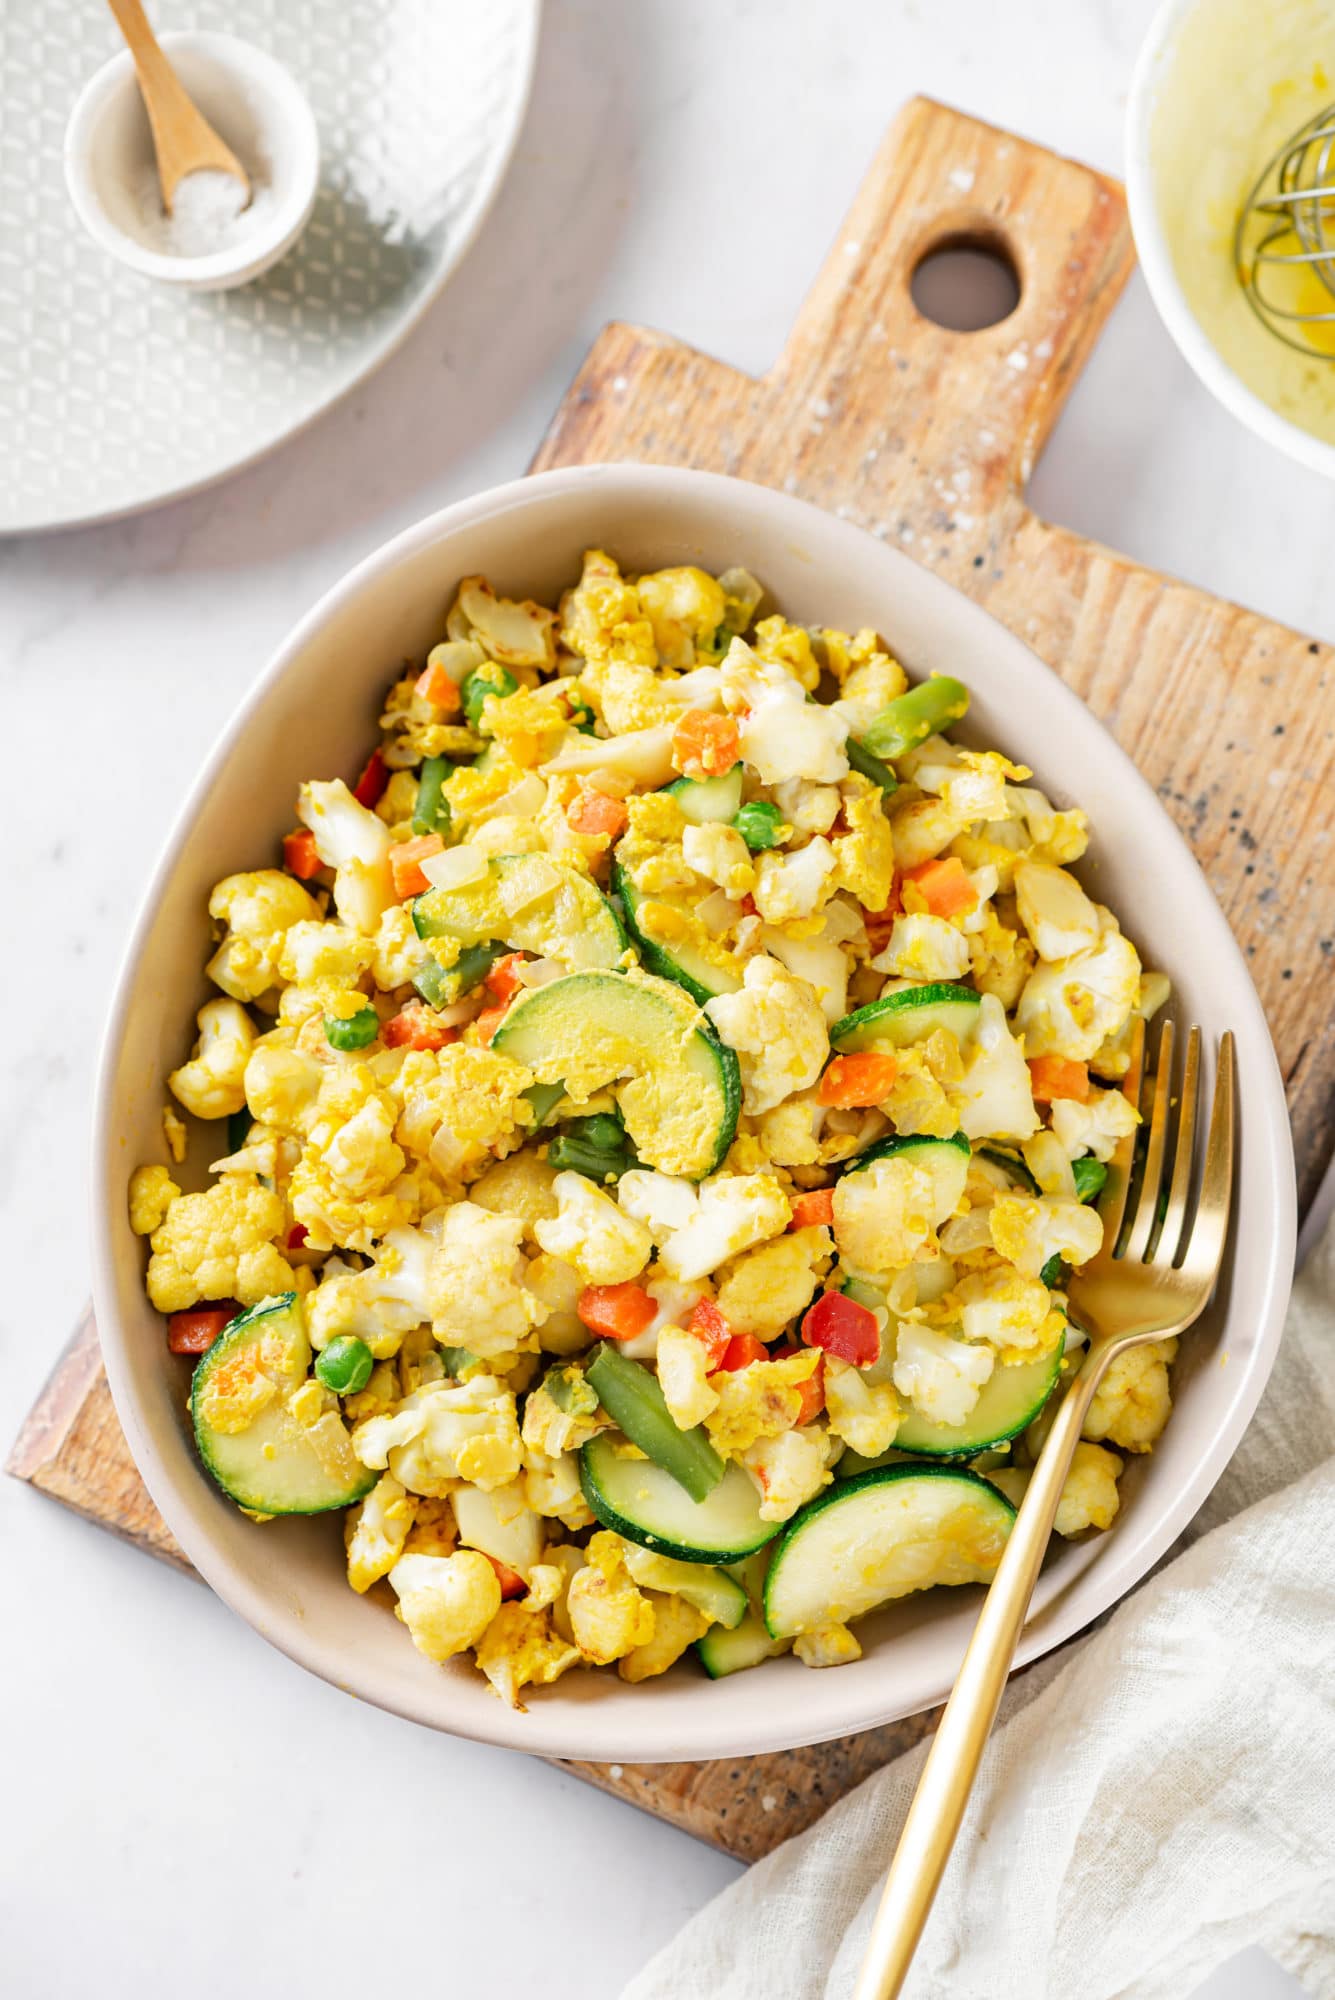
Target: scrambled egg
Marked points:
463	1229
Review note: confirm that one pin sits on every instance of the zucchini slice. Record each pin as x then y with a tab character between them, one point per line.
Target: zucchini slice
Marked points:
678	1087
531	904
710	1590
703	800
685	962
1012	1166
727	1650
882	1535
646	1505
946	1160
273	1463
1008	1402
899	1019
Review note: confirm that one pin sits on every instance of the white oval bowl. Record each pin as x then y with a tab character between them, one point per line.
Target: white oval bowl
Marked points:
312	713
1144	202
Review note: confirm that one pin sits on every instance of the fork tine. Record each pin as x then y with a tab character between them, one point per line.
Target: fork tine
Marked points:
1179	1192
1147	1207
1112	1204
1204	1246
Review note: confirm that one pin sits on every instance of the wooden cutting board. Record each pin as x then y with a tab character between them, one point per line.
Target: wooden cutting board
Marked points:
927	438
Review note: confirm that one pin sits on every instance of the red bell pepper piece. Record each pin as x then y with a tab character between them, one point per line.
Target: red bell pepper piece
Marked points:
708	1324
370	787
812	1391
741	1351
843	1328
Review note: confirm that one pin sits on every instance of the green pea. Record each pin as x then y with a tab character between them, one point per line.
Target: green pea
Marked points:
760	825
486	680
911	718
345	1365
356	1032
861	759
432	812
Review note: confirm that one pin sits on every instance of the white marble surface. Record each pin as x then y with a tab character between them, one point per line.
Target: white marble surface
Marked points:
179	1798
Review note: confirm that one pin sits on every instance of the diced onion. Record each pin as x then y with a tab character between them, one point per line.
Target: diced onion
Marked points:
540	971
454	867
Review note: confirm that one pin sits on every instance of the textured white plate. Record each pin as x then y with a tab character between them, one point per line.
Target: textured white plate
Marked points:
116	392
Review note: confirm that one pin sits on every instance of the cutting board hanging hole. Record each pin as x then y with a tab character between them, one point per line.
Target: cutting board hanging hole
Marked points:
965	284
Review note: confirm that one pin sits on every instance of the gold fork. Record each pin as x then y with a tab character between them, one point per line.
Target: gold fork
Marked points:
1152	1277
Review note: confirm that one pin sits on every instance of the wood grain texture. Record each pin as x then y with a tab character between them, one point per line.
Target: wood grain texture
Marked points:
927	438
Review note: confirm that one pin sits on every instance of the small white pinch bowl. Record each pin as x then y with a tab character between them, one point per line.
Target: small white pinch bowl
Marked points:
251	101
312	714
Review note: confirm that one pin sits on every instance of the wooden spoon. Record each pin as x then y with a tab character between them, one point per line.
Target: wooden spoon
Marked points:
183	139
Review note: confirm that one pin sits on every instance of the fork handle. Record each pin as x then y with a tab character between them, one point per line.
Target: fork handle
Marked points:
952	1763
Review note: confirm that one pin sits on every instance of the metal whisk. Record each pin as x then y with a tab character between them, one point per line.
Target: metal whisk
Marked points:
1287	224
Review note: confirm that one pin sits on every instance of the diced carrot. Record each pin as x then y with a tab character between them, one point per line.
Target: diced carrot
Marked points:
417	1026
851	1082
489	1020
813	1210
434	685
704	745
708	1324
405	863
297	1235
944	886
195	1332
617	1312
370	787
1057	1076
299	855
880	923
503	980
592	813
511	1582
812	1391
741	1351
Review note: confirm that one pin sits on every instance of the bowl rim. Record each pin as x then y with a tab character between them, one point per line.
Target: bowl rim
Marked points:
586	1732
254	254
1190	338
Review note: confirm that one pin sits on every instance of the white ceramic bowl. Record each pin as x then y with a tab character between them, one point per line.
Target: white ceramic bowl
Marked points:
313	713
1212	82
252	102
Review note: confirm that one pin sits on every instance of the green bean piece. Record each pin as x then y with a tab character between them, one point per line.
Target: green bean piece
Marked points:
633	1400
1054	1272
570	1391
488	679
1090	1174
568	1153
358	1031
861	759
432	813
441	986
461	1361
345	1365
760	825
911	718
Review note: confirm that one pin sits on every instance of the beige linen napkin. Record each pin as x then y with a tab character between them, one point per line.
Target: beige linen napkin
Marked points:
1153	1799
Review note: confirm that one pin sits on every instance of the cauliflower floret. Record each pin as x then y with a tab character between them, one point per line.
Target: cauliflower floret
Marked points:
721	855
685	607
459	1104
1055	910
1089	1497
561	1414
217	1245
1131	1406
313	952
520	1186
660	1201
376	1531
788	1134
558	1286
1028	1229
820	961
351	840
523	1644
1095	1126
766	1288
517	633
1005	1308
683	1376
152	1192
1073	1005
790	1469
777	1026
885	1213
608	1614
865	854
923	949
211	1084
759	1401
866	1415
478	1296
677	1625
784	736
867	688
605	1245
552	1487
447	1602
445	1432
398	953
378	1305
258	909
1000	959
940	1376
732	1212
792	886
922	828
995	1098
810	808
282	1084
1056	836
832	1646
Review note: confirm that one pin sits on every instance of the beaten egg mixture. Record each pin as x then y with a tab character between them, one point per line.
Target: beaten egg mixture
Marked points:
672	1074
